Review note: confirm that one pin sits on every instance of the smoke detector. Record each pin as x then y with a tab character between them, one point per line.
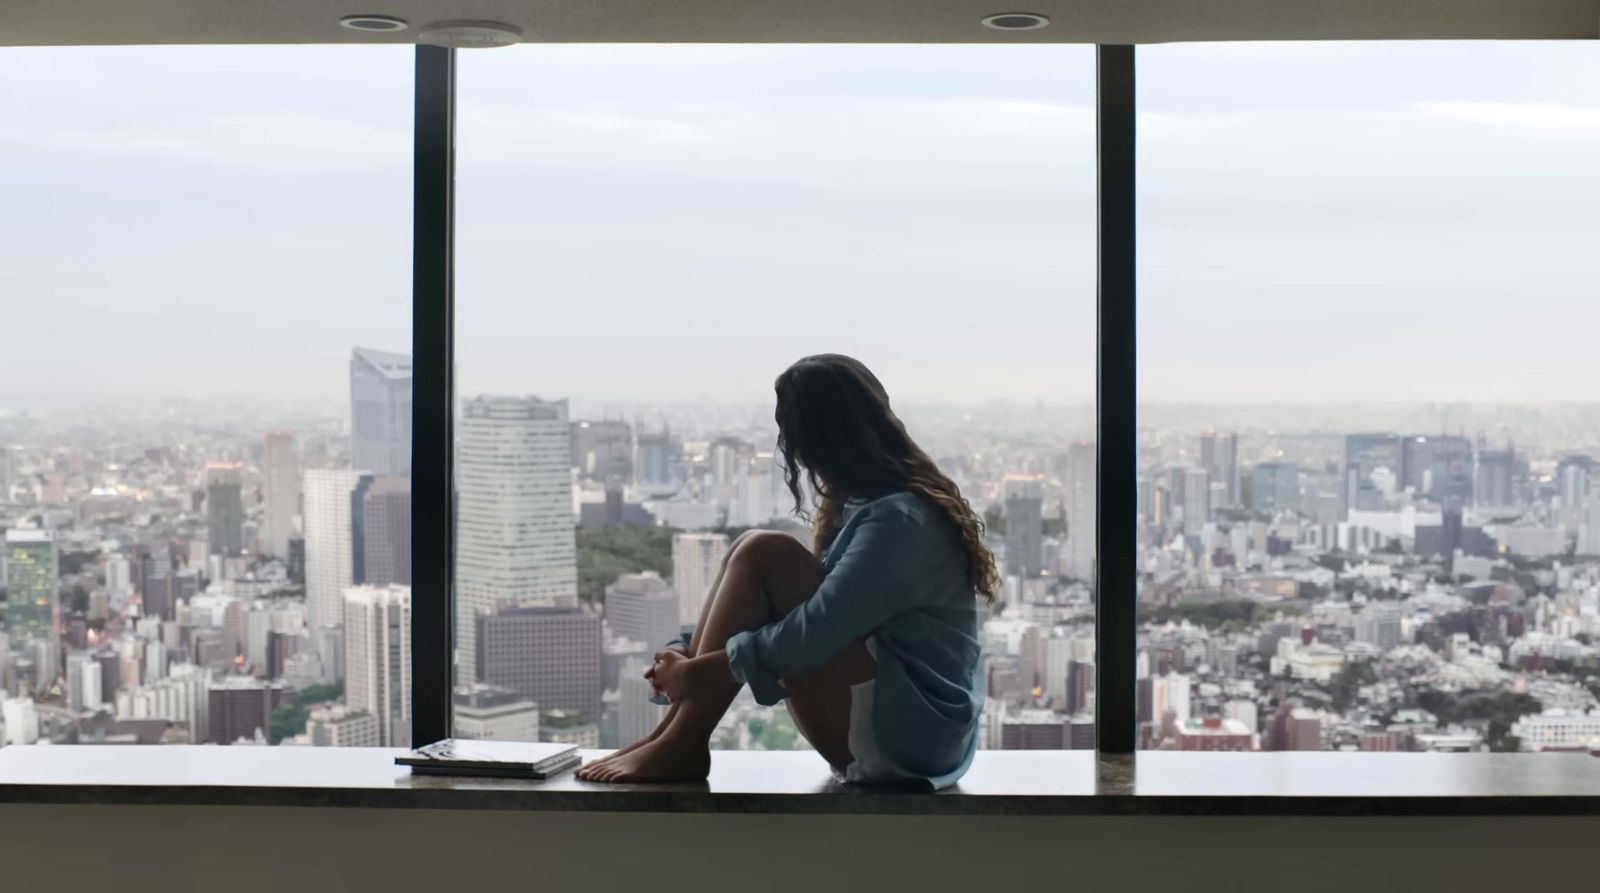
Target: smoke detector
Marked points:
1015	21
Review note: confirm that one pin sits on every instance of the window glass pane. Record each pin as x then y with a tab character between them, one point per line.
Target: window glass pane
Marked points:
205	405
1367	444
648	236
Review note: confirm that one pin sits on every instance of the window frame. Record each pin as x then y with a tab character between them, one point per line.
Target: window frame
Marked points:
433	358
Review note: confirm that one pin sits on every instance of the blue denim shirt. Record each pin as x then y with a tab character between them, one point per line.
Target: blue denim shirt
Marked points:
896	569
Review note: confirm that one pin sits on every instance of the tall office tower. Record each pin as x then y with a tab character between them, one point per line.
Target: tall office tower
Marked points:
1378	624
603	451
225	508
1219	456
491	713
155	581
380	411
1196	500
377	658
1275	487
84	681
386	532
19	721
514	522
33	598
696	560
1080	686
1572	480
1496	478
636	716
755	492
1082	491
658	461
642	607
332	498
1369	452
551	655
1439	468
1024	496
280	484
119	574
240	707
1589	537
7	473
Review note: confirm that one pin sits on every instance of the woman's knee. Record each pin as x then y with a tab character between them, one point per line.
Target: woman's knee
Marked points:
772	550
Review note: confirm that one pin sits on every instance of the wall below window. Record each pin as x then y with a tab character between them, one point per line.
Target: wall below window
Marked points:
285	850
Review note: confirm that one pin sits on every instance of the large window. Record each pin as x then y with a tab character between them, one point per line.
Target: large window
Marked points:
1367	433
647	236
205	405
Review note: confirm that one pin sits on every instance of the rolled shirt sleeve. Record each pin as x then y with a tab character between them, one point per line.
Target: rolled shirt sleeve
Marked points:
874	578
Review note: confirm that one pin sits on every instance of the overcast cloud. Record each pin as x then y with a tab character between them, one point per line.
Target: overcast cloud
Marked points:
1318	222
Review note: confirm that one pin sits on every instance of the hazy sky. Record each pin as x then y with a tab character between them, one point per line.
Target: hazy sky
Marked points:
1318	222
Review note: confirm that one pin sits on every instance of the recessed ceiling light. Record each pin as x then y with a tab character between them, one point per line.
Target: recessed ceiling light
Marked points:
1015	21
470	35
373	23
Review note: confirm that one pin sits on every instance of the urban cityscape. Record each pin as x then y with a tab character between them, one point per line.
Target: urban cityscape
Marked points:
1432	584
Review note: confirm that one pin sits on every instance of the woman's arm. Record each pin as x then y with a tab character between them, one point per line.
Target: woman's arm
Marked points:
875	578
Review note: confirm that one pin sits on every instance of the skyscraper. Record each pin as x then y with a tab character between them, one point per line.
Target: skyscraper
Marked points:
386	531
1082	490
332	495
1024	525
1496	478
33	600
642	607
155	581
1275	487
1219	456
380	411
696	559
1196	500
280	479
514	521
241	707
377	655
224	508
551	655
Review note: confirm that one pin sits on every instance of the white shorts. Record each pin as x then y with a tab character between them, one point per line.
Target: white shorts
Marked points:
867	765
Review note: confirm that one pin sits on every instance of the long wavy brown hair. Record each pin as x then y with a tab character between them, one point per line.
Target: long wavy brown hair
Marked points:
836	429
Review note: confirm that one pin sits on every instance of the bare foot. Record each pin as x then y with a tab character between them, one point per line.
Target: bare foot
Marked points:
585	772
664	759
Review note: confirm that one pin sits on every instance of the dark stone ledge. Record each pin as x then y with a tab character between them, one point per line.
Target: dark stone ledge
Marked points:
1000	783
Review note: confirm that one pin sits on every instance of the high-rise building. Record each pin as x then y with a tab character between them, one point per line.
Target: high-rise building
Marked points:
1378	624
551	655
85	682
491	713
386	532
696	560
603	451
1275	487
280	485
332	497
241	708
642	607
1219	456
658	462
1082	492
225	508
1370	452
33	598
1196	500
1496	479
1024	495
1439	468
380	411
377	658
514	520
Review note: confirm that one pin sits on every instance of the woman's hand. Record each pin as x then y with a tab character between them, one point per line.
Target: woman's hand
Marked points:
669	675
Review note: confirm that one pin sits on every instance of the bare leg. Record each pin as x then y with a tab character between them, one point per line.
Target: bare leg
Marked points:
768	576
705	614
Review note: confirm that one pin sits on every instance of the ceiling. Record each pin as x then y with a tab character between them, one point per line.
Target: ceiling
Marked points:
65	22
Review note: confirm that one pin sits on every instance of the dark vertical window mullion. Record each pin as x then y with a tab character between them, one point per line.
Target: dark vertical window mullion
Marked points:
433	362
1116	724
